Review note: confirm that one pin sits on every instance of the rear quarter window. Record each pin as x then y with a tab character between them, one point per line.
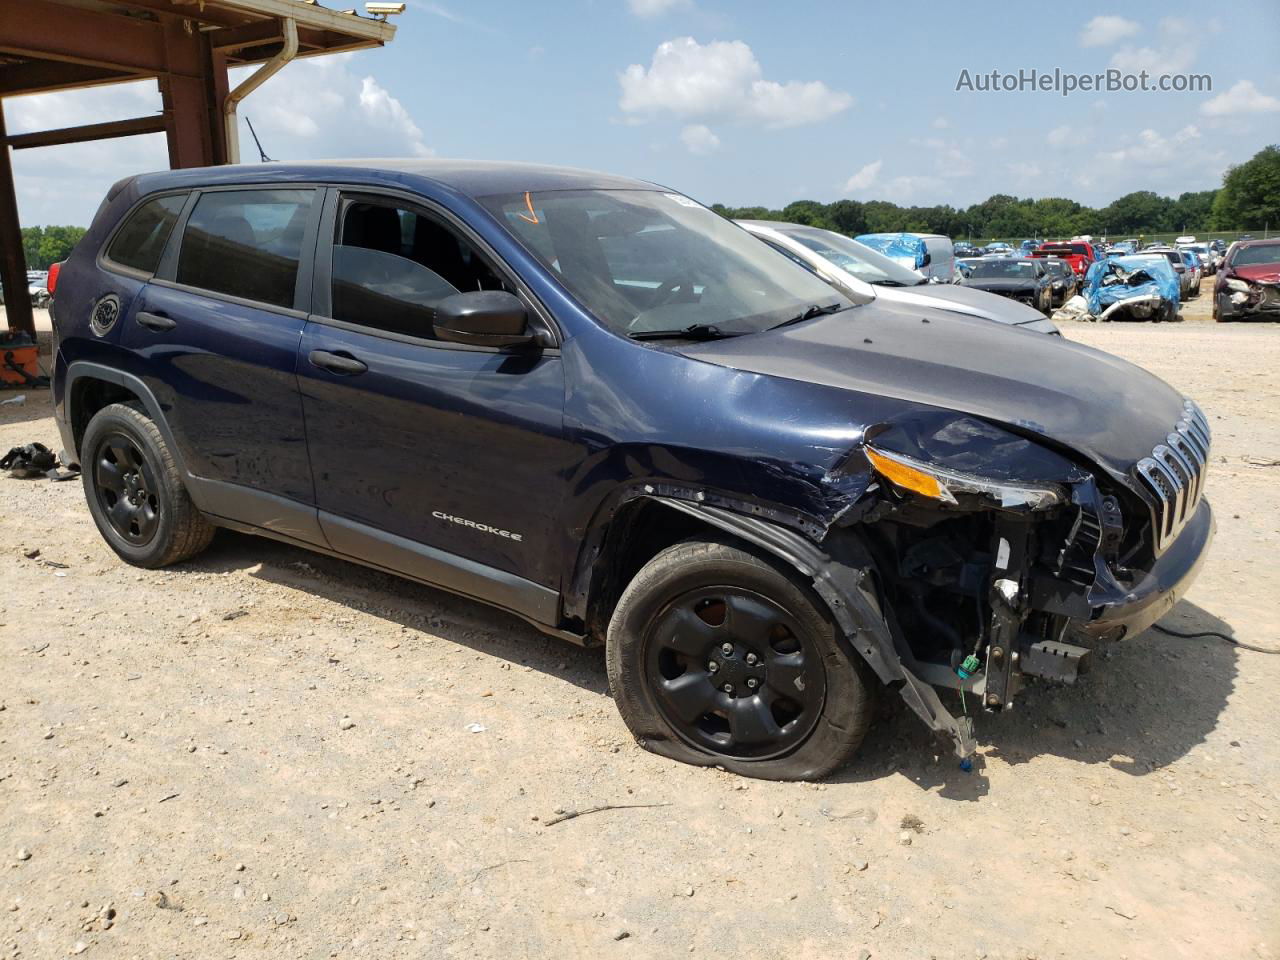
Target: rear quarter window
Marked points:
140	242
246	244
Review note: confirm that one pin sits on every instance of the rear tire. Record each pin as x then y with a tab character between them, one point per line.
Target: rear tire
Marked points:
135	492
718	656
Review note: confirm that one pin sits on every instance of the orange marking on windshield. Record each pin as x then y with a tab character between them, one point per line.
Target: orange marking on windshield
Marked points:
532	217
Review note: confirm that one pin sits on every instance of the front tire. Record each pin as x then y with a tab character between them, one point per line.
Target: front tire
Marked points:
135	492
718	656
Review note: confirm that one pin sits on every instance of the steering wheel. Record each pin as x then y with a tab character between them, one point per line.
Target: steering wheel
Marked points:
677	289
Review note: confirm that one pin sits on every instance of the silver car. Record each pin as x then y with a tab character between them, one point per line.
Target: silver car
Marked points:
864	274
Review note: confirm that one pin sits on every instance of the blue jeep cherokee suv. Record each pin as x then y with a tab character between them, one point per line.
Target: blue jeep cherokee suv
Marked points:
595	403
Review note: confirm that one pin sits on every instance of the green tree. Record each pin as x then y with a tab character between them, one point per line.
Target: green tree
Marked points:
42	246
1141	210
1250	194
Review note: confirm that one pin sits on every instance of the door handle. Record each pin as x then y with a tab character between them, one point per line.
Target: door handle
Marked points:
155	321
339	363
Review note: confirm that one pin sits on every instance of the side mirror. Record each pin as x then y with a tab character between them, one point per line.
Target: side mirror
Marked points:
485	318
928	259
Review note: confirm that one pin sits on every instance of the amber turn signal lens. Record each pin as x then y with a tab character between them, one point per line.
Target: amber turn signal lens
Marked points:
908	478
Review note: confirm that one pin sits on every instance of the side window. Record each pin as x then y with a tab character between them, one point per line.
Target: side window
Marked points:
392	265
246	243
141	240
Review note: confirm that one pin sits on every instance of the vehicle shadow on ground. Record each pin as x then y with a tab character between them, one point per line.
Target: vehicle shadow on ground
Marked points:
418	607
1145	704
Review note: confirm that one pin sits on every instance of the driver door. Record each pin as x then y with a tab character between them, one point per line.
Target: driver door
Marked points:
440	460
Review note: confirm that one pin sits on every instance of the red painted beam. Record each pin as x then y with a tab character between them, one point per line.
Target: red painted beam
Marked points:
52	31
88	131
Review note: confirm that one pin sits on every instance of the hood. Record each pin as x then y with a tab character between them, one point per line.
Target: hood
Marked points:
967	300
1107	410
1259	272
1001	284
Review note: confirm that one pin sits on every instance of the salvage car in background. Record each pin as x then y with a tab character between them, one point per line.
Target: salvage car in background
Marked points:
1139	287
860	272
1078	253
1205	256
1026	281
1179	265
930	253
1248	285
1064	279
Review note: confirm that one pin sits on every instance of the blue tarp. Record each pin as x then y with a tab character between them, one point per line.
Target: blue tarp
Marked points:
905	248
1158	278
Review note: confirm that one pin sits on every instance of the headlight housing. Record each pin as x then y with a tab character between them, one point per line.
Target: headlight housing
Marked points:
943	485
1240	286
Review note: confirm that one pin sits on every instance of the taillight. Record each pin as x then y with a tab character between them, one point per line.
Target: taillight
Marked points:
51	281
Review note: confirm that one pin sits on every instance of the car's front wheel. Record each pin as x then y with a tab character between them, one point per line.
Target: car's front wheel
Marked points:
135	492
719	656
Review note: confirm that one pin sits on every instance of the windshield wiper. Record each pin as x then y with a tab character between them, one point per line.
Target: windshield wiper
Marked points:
697	331
811	312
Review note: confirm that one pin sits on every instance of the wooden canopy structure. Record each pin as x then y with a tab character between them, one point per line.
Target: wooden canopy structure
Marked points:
186	45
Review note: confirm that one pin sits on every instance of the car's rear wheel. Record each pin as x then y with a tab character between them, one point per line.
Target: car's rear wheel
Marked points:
135	492
718	656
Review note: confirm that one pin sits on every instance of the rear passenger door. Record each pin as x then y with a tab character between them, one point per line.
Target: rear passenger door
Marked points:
217	330
440	460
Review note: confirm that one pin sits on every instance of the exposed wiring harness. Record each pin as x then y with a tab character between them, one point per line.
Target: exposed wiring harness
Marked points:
1195	634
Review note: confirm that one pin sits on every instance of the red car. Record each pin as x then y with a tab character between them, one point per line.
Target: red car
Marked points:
1248	285
1078	253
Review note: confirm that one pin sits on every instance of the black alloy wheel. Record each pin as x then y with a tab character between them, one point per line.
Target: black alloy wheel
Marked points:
126	487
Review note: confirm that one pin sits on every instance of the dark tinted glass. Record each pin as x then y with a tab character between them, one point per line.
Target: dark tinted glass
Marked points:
141	240
246	243
391	266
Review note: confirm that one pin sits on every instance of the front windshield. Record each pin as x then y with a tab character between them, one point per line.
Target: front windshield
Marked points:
1003	270
1255	256
870	266
644	261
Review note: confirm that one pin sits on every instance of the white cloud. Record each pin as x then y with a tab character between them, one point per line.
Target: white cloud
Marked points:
722	79
1061	136
1024	171
321	108
655	8
941	123
1243	98
313	109
699	140
864	178
1105	30
1175	51
1153	149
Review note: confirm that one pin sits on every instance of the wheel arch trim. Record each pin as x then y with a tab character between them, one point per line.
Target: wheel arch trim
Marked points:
89	370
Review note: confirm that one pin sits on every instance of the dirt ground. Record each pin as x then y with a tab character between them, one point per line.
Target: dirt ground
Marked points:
177	778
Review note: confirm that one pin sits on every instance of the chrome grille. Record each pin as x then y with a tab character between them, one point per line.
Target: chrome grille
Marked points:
1174	475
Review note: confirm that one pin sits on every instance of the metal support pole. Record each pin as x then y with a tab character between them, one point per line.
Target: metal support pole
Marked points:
13	263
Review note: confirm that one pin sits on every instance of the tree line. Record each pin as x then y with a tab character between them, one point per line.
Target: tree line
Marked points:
1249	199
42	246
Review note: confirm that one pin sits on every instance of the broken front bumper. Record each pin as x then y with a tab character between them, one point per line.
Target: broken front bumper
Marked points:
1126	611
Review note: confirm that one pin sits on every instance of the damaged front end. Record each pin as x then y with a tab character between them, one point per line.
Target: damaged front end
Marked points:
1126	288
995	558
1251	298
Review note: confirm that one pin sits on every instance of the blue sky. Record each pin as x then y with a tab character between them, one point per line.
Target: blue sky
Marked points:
745	102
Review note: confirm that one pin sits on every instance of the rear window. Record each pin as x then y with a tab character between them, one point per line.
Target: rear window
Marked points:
246	243
141	240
